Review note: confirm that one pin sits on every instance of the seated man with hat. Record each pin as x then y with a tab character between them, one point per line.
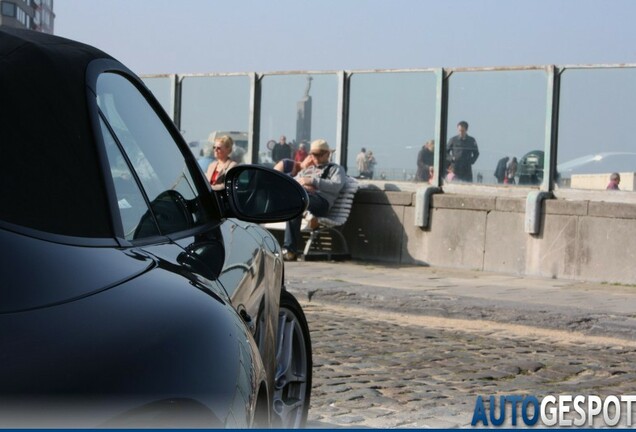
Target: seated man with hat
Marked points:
323	181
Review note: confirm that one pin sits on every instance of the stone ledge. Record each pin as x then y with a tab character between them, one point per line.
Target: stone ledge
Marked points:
371	196
464	202
565	207
612	210
510	205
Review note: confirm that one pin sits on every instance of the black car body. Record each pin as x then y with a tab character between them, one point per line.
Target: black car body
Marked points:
131	295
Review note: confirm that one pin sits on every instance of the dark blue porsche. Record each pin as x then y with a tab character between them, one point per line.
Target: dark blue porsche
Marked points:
131	295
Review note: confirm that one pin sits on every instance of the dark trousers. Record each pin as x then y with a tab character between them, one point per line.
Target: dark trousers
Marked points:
318	206
464	173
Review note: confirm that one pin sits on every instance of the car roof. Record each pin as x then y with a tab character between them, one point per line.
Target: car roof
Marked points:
48	158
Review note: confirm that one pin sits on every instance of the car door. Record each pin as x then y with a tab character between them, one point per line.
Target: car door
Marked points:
174	215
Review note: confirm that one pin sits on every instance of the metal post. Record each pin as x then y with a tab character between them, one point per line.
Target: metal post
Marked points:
175	99
441	120
342	126
551	129
254	127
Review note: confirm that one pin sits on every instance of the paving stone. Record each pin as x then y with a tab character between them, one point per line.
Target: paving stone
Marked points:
375	370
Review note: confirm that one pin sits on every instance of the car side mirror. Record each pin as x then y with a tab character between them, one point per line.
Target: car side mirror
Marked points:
258	194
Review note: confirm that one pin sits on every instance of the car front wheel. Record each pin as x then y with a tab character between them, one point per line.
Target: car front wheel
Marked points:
294	365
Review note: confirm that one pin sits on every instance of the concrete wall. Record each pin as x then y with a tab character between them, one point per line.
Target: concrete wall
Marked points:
483	229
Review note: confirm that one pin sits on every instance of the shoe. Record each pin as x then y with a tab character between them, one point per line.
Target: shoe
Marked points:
289	255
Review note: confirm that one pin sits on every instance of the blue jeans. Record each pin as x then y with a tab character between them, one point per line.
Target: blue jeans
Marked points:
318	206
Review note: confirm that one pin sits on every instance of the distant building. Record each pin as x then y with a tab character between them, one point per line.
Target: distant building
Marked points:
28	14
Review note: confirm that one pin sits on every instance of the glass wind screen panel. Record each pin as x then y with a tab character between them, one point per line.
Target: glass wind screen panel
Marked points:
161	90
300	107
212	107
391	116
597	109
505	112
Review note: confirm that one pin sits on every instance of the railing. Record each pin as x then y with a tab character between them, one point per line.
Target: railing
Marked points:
559	122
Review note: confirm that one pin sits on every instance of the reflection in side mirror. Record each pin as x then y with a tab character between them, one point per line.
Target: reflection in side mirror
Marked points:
259	194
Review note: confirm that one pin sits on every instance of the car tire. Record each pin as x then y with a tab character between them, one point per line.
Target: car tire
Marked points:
292	384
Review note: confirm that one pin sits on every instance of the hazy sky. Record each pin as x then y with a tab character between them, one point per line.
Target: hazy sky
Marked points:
506	110
168	36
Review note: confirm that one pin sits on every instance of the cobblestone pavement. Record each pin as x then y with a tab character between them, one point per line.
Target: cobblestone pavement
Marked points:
413	347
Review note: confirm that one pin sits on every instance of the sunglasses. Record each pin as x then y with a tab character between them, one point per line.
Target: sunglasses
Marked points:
217	148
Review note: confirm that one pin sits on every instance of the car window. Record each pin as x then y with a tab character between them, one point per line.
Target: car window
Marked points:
132	206
154	157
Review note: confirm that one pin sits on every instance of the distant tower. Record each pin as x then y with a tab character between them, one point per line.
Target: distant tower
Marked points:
28	14
303	115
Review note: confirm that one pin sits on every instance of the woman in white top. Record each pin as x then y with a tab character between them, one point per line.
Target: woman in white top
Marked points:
219	168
